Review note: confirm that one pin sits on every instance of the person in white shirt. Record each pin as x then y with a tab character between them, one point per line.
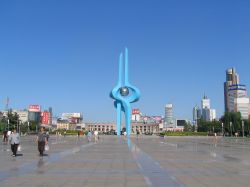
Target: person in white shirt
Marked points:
96	136
14	139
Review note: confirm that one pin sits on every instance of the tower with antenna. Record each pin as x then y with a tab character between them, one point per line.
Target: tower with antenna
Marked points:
7	103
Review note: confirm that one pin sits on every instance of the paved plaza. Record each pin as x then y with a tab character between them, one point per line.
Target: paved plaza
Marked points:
118	162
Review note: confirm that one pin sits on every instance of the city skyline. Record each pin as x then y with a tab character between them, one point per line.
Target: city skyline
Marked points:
54	53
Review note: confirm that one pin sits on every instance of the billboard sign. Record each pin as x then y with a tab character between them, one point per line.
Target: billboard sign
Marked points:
45	117
34	108
71	115
135	111
181	123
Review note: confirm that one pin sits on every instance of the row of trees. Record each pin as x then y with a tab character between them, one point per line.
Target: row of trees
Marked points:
229	124
12	120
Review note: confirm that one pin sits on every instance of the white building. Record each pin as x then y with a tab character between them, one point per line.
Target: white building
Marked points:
208	114
238	100
205	102
241	105
212	114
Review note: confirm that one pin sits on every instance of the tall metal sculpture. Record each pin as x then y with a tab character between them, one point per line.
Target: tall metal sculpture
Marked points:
124	93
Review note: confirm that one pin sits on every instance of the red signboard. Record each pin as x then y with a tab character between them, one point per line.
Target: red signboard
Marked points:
45	117
135	111
34	108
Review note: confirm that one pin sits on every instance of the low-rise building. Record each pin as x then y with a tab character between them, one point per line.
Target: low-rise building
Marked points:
65	124
141	126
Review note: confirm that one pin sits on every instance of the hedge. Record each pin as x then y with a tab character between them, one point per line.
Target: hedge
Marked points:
169	133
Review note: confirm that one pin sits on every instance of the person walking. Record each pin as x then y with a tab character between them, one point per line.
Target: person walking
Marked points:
42	140
5	137
125	134
14	139
89	135
96	136
137	133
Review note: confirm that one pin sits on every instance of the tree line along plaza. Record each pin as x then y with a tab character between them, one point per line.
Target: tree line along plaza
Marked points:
235	120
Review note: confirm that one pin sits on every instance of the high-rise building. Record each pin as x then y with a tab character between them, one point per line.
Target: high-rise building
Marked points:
212	114
196	114
205	102
236	98
232	78
50	115
169	117
236	91
208	114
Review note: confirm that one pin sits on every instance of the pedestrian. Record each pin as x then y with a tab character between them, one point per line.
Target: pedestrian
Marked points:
42	140
5	137
47	134
89	135
14	139
137	133
78	135
96	136
8	133
125	134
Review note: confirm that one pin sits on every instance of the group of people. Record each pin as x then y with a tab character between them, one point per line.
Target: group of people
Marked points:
14	139
96	136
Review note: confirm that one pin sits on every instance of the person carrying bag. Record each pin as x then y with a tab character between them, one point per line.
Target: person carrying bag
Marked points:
14	139
42	140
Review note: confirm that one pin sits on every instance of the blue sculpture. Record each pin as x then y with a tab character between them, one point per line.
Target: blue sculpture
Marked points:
124	94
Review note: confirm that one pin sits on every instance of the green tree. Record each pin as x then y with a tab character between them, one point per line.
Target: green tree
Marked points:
188	127
12	119
209	126
233	118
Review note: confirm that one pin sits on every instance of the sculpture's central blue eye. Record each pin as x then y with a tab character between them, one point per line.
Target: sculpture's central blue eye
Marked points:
124	91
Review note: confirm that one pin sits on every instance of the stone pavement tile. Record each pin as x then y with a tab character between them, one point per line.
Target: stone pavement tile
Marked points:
128	167
104	166
135	180
117	166
189	181
40	180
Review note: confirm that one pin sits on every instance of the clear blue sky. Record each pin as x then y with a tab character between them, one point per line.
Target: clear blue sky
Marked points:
64	54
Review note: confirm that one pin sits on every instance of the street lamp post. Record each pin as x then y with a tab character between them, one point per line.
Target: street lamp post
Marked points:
28	127
231	128
20	124
222	129
242	128
17	126
8	124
